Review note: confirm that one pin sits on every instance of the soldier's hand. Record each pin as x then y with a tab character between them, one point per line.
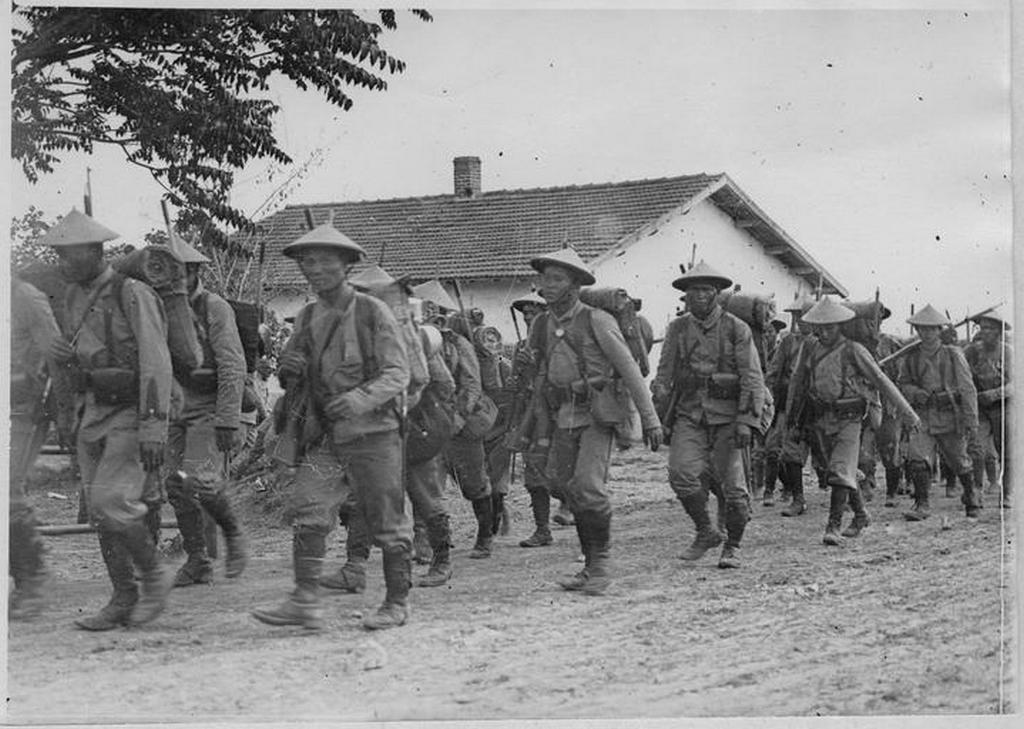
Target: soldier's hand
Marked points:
61	350
653	437
151	453
741	437
225	438
291	364
524	358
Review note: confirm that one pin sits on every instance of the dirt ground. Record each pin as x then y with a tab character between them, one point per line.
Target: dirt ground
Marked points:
910	618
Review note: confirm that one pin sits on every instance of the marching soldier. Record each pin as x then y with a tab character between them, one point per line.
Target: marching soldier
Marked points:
115	346
204	432
991	362
465	456
583	358
936	380
33	330
343	369
711	392
785	455
834	386
424	478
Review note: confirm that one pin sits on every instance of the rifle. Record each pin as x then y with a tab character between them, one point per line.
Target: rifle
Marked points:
796	409
907	348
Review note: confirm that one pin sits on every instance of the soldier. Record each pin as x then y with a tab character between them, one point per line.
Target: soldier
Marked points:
585	369
889	435
991	363
464	455
424	479
205	430
711	390
834	386
33	330
115	346
343	369
936	380
531	440
784	455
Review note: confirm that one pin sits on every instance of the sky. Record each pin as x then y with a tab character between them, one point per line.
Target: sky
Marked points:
878	139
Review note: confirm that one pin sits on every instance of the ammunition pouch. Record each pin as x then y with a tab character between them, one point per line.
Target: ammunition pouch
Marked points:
944	400
846	408
556	396
607	406
113	385
202	380
719	385
481	418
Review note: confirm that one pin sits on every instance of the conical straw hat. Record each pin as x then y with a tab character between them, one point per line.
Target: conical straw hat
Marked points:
75	229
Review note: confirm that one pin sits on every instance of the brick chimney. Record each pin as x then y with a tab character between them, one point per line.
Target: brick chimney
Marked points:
467	176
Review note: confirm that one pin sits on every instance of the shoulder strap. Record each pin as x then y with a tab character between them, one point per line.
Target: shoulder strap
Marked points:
364	334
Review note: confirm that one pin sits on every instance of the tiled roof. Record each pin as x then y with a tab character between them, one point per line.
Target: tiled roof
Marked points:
492	235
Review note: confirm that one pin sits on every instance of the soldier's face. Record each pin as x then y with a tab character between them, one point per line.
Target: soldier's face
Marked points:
556	283
991	333
827	333
80	263
324	269
700	298
530	312
929	335
191	276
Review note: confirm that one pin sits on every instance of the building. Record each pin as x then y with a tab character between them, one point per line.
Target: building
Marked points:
634	234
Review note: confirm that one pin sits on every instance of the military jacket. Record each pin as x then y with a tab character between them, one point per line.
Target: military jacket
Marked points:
370	369
461	360
940	387
696	349
137	339
991	369
222	349
603	353
782	364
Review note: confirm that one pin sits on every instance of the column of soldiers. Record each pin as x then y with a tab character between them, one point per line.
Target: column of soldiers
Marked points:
567	392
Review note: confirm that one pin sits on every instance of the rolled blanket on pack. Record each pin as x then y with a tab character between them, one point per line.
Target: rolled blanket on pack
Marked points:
157	266
618	303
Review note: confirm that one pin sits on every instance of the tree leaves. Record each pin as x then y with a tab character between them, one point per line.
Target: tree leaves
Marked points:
178	90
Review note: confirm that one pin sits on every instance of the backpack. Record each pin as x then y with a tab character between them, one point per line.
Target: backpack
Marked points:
863	328
754	310
617	303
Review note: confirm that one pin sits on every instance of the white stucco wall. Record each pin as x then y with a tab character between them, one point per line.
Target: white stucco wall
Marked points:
647	268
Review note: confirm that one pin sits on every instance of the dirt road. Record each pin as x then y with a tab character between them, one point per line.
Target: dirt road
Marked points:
909	618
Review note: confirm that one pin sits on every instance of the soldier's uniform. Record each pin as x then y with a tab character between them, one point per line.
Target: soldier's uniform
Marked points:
33	329
211	400
785	454
122	369
424	480
938	384
354	357
712	365
889	434
992	372
585	363
842	384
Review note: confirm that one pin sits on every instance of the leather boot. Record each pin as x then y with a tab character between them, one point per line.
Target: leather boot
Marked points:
922	481
118	611
302	606
441	543
736	516
157	579
771	475
422	552
27	568
707	537
860	514
483	508
152	519
822	475
497	513
579	580
793	477
397	578
969	500
837	505
598	573
991	468
218	506
950	477
540	504
892	484
198	567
